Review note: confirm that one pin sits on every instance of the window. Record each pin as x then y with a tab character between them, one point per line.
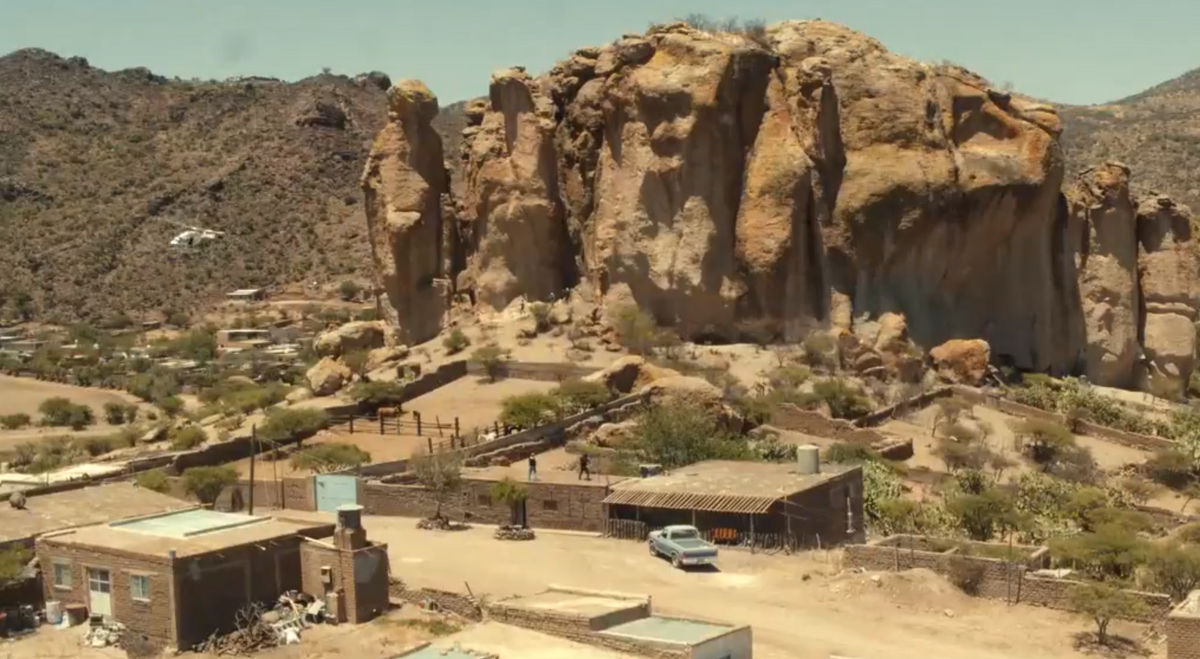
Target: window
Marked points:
549	504
62	575
139	587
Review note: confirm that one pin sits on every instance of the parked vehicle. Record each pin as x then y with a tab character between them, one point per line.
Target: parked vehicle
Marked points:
683	545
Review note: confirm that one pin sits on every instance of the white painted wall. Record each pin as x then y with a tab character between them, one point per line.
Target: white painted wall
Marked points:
736	645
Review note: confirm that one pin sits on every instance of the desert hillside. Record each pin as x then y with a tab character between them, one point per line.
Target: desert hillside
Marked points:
94	164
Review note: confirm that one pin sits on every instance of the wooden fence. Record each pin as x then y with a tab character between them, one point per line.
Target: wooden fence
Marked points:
383	424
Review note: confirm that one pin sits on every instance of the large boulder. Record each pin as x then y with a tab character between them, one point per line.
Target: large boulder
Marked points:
356	336
1170	277
962	361
682	390
327	377
629	374
614	435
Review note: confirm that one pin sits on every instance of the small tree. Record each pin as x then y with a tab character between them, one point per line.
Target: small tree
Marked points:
378	393
440	473
511	493
845	400
679	435
285	425
349	290
455	342
114	413
980	515
578	396
59	411
530	410
819	351
789	376
207	483
949	410
332	456
155	480
492	358
12	563
1102	602
1043	440
171	405
1175	569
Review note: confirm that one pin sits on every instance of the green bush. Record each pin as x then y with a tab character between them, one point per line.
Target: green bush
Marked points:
455	342
530	410
845	400
492	358
820	351
578	396
789	377
331	456
59	412
207	483
1043	440
283	425
12	563
15	421
681	435
155	384
636	330
171	405
541	316
114	413
967	574
155	480
378	393
850	453
94	446
349	290
981	516
187	437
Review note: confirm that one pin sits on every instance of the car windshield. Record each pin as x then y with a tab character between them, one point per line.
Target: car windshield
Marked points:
685	534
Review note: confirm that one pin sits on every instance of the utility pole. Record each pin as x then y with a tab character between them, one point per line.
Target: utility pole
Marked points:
253	450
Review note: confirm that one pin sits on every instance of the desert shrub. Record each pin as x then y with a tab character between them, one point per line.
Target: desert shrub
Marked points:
330	456
981	516
819	350
881	485
967	574
962	453
186	437
1075	464
59	411
850	453
349	290
207	483
171	405
15	421
636	330
896	515
681	435
790	376
1043	441
155	384
155	480
455	342
773	450
94	446
1189	533
198	344
845	400
530	410
114	413
949	411
492	358
578	396
1171	467
378	393
285	425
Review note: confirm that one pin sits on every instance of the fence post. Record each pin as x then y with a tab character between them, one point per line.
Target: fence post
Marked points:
380	423
417	415
437	421
430	440
456	426
351	424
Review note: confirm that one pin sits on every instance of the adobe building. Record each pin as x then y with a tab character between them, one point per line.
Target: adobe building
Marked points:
177	577
802	504
350	574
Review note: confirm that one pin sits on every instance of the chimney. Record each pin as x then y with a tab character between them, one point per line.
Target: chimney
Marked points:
349	534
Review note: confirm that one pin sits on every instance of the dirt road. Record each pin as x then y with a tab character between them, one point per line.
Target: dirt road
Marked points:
800	606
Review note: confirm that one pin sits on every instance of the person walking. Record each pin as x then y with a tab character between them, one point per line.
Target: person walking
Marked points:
533	468
583	467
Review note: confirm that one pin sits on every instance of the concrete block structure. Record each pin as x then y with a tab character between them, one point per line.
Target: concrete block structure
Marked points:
1183	629
174	578
351	574
732	501
623	623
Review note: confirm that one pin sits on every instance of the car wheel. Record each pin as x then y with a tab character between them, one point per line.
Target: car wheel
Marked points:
653	551
676	561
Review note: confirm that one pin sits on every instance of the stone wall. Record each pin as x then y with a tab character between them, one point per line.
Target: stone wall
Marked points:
550	505
541	371
427	382
918	402
459	604
1014	582
790	417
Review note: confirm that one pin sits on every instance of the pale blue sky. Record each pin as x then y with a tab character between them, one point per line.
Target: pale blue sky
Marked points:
1070	51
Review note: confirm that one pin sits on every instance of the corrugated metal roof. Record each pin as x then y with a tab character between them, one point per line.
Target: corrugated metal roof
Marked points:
715	503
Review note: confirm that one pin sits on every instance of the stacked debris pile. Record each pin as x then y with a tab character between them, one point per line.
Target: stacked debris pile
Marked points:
509	532
258	628
101	634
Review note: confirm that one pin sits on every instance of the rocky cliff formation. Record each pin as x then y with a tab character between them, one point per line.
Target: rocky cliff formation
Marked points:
807	178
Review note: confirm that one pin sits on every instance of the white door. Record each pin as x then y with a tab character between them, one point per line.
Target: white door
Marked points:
99	591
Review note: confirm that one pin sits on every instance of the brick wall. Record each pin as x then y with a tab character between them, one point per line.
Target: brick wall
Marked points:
361	577
152	619
790	417
1056	594
457	603
550	505
1183	631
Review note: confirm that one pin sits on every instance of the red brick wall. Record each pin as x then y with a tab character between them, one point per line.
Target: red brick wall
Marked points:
152	619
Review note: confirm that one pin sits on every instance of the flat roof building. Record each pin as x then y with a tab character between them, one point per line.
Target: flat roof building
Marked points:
177	577
83	506
790	504
246	295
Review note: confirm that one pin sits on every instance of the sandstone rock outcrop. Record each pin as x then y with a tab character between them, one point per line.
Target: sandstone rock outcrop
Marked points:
805	180
403	186
629	374
355	336
962	361
327	377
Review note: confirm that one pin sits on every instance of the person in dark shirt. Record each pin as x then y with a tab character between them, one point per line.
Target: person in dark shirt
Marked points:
533	468
583	467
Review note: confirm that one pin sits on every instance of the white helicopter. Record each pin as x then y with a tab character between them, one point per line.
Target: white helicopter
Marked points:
192	236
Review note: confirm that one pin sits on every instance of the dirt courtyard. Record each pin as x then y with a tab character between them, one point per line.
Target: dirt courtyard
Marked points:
19	395
800	607
474	400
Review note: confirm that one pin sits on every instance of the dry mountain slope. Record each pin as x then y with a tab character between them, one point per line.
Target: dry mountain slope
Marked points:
91	162
1156	132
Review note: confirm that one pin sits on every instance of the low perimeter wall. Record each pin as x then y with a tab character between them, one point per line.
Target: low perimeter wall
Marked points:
459	604
1013	582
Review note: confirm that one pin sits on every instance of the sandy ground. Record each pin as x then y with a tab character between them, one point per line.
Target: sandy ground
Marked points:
25	394
554	466
475	401
800	606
